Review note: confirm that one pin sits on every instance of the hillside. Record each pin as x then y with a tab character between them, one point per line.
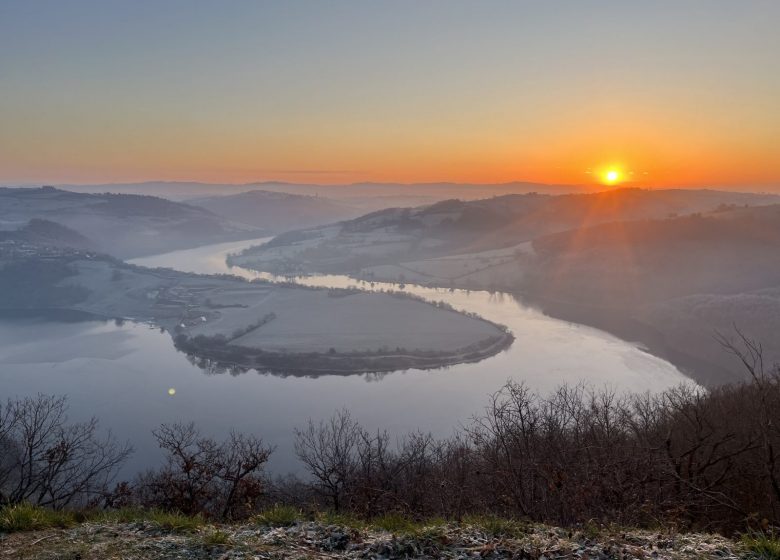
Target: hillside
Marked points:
685	279
45	232
629	262
451	227
277	212
122	225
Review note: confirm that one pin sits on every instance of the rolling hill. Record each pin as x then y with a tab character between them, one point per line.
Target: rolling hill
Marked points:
276	211
677	285
122	225
453	226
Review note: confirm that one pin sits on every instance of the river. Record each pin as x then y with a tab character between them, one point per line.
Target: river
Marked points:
122	373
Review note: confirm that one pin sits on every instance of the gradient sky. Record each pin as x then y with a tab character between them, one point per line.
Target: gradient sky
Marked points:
677	93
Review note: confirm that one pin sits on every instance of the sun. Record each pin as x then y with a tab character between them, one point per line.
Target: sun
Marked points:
612	176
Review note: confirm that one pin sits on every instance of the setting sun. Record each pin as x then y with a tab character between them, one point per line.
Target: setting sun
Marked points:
612	176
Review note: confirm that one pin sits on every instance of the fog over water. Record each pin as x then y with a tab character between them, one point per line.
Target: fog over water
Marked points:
122	373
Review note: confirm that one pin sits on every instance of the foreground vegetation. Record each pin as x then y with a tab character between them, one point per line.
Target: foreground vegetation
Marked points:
284	532
28	517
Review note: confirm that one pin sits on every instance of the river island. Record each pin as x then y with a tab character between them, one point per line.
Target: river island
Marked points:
250	325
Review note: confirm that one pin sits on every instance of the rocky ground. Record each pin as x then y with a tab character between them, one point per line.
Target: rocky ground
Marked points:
146	540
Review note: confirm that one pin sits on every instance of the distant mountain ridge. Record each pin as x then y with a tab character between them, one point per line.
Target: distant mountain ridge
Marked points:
277	211
121	225
366	195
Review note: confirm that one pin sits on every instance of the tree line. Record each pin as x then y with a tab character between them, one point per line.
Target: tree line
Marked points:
687	457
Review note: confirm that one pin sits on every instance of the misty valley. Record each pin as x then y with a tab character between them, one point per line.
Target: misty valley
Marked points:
181	357
412	317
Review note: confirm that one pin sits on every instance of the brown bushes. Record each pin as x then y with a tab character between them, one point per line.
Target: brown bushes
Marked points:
201	476
49	461
686	457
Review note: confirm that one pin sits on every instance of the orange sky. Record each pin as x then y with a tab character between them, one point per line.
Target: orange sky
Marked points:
671	94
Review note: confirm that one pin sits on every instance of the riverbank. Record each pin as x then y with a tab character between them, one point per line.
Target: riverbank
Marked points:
628	325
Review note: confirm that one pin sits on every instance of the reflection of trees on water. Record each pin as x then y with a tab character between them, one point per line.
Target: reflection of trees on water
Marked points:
214	367
501	297
376	376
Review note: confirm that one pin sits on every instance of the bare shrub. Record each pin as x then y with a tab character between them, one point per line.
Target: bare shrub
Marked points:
49	461
328	450
203	476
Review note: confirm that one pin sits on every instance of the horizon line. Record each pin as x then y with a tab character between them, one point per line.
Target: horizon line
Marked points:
584	186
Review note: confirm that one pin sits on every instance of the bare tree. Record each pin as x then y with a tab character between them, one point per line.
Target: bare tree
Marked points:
242	457
47	460
506	437
373	459
767	381
329	452
202	475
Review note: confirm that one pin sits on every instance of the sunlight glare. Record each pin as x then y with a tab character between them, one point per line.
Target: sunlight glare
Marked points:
612	176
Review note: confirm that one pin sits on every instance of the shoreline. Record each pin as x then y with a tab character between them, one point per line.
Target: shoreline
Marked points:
291	363
298	363
621	324
617	322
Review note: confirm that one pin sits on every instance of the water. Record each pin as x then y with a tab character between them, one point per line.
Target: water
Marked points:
121	373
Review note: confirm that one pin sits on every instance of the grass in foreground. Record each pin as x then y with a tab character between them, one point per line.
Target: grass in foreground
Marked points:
26	517
765	545
342	519
497	526
278	516
401	525
171	521
394	523
216	538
